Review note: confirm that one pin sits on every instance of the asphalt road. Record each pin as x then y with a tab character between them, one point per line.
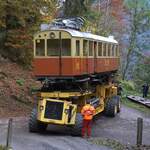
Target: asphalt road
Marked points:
121	128
51	140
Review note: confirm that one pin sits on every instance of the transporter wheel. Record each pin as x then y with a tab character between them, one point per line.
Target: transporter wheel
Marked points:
76	129
111	107
34	124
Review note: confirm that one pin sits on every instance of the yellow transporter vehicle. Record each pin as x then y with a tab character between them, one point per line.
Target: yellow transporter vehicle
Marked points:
75	67
64	107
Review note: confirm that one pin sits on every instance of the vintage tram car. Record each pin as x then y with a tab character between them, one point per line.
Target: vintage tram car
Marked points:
76	67
68	53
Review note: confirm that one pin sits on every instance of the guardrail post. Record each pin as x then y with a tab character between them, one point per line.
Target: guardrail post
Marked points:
9	134
139	131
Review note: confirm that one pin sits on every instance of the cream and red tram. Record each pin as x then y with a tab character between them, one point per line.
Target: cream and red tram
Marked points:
74	67
71	54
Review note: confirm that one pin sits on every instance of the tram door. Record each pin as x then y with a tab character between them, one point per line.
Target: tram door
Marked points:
65	60
95	56
77	60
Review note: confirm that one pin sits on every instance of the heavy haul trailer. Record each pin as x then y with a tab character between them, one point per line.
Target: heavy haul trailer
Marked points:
75	67
64	108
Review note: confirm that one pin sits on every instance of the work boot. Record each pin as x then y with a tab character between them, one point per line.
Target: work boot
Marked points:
88	137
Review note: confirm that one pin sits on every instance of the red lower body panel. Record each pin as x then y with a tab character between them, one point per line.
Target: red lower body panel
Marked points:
73	66
106	64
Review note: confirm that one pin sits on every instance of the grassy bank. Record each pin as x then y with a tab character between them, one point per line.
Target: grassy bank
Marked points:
1	147
128	88
108	143
116	145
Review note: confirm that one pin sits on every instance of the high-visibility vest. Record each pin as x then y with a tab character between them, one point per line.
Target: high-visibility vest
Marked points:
88	112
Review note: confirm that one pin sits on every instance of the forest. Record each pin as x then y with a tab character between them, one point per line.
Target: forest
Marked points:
128	21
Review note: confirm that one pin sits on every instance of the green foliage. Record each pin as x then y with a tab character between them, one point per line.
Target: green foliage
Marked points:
20	82
18	21
83	8
2	13
18	46
92	21
142	73
107	142
128	85
74	8
1	147
136	3
128	88
139	16
34	90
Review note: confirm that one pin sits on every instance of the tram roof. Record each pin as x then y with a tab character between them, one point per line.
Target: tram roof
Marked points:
89	35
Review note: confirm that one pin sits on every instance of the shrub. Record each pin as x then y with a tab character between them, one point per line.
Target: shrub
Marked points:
128	88
1	147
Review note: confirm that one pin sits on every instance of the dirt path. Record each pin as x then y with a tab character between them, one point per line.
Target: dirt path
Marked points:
121	128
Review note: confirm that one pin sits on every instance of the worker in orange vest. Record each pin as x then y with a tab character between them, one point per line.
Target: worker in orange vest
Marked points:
87	112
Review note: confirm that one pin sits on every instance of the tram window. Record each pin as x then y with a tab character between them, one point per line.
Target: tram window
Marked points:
77	48
117	50
100	49
85	47
40	47
95	49
66	47
113	50
105	49
53	47
90	48
109	49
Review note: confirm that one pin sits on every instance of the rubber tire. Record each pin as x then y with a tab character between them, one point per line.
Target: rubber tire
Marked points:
34	124
111	107
76	130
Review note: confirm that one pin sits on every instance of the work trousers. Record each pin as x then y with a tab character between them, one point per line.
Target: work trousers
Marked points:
86	127
145	93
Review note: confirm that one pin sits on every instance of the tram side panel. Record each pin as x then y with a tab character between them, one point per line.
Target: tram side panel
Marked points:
77	66
106	64
90	66
73	66
46	66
